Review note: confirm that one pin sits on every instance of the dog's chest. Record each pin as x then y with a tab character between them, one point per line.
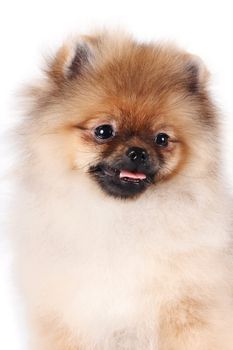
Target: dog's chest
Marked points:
104	268
108	277
113	299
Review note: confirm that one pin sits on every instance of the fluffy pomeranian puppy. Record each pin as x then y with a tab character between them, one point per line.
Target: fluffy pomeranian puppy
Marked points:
121	225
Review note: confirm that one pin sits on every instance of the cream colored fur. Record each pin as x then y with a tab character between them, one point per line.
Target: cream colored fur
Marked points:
102	268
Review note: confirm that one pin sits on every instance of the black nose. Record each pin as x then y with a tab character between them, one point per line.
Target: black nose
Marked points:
137	154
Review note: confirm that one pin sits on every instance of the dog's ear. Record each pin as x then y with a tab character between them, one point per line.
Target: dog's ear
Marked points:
71	60
197	74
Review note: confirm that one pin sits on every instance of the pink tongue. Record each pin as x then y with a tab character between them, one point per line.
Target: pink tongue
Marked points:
125	173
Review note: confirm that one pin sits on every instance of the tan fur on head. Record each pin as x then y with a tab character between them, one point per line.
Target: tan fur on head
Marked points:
151	272
136	86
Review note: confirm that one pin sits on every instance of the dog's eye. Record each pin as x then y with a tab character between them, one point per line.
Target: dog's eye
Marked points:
104	132
162	140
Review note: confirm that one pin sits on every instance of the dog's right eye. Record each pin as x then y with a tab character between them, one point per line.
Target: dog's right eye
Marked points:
104	132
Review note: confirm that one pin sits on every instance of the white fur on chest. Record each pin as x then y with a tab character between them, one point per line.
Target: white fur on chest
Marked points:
104	266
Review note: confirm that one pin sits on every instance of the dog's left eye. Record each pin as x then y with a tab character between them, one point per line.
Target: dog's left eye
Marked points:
162	139
104	132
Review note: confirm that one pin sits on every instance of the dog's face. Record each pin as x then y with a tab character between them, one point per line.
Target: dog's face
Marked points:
131	150
130	115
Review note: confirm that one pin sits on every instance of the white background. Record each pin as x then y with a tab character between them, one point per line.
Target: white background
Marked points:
30	29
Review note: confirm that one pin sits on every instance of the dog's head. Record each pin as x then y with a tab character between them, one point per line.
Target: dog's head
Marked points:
126	114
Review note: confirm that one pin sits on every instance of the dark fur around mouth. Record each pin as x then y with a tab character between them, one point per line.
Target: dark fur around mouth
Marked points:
109	180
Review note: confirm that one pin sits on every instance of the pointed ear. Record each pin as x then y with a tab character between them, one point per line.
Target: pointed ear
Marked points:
197	74
70	62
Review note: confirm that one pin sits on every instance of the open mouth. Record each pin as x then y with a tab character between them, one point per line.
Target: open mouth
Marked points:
126	175
119	182
122	174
